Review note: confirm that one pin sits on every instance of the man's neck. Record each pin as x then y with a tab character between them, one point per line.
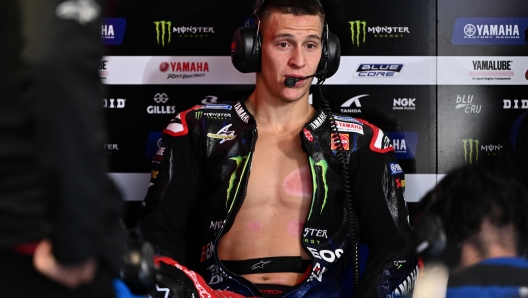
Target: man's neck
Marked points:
471	256
279	115
491	242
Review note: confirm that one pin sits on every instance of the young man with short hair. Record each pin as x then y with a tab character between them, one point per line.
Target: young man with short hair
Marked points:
251	194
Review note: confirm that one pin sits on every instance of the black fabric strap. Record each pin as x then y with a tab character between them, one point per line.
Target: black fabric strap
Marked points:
268	265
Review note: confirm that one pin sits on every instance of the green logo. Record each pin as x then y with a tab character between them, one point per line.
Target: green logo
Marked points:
358	29
323	167
239	161
198	114
160	32
470	150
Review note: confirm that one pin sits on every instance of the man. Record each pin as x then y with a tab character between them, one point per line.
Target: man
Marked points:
59	213
250	194
476	223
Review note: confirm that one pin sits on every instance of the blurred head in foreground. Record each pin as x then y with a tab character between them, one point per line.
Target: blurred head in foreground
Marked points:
472	215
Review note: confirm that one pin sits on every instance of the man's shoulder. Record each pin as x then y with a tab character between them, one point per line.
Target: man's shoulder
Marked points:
371	134
486	273
205	115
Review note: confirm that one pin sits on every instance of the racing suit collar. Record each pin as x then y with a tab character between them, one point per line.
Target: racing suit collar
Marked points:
317	120
314	123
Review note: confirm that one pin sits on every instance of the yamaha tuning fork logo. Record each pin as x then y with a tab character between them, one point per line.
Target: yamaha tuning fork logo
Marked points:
490	31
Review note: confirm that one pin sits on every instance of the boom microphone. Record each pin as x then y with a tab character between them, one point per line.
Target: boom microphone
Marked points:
291	81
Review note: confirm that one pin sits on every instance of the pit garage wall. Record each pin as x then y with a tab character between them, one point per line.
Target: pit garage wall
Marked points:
440	104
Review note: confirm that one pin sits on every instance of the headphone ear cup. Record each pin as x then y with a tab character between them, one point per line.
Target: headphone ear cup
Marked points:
430	238
331	56
245	50
451	255
432	243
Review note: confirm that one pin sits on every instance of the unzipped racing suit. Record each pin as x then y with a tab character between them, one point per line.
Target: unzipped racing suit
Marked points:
198	184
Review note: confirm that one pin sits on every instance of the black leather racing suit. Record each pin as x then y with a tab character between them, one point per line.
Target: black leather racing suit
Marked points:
199	180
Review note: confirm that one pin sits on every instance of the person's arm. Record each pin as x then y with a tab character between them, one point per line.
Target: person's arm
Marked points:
173	190
378	187
64	94
71	276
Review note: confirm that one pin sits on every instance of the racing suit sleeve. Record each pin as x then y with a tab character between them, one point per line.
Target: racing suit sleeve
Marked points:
378	185
171	196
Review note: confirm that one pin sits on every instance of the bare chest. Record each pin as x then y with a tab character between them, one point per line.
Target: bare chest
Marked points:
280	173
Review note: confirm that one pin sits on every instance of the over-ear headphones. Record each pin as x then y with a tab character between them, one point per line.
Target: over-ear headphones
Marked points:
432	242
246	47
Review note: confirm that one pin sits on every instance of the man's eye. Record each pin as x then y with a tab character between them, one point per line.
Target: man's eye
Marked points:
311	46
283	44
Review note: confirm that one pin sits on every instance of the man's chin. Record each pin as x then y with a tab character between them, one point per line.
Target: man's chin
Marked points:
294	94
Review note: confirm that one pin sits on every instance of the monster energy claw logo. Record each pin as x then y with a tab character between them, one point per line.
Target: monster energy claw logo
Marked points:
470	150
358	28
160	26
323	167
232	180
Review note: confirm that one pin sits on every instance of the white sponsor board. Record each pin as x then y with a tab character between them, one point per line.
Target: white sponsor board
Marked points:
161	70
416	70
196	70
482	70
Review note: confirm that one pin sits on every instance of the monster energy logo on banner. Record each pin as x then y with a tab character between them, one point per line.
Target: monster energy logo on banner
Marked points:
358	28
160	26
470	150
198	114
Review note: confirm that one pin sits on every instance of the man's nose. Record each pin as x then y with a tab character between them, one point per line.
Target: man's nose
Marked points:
297	58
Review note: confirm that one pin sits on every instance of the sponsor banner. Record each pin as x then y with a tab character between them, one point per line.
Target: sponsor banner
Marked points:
417	185
113	30
173	70
193	70
360	29
167	31
134	186
385	70
482	70
489	31
114	103
404	144
103	69
197	70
